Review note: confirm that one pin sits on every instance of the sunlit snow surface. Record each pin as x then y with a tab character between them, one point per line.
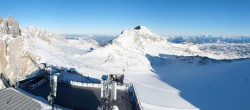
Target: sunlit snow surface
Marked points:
167	75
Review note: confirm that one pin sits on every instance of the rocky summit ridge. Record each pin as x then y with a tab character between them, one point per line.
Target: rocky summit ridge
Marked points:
9	26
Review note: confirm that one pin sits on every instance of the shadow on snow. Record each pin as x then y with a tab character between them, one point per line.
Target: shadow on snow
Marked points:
206	83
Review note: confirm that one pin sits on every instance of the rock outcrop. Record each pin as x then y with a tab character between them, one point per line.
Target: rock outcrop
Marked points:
2	86
9	26
2	55
12	52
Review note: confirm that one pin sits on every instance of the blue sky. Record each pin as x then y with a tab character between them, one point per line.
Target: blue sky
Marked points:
164	17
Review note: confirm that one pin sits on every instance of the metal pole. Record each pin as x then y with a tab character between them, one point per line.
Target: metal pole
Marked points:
17	77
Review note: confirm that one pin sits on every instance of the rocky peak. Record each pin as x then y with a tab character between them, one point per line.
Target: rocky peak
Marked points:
9	26
138	33
143	29
137	38
138	27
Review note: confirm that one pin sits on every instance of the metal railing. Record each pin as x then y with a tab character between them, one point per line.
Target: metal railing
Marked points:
138	102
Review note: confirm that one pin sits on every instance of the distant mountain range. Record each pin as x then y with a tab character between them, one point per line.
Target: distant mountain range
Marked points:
209	39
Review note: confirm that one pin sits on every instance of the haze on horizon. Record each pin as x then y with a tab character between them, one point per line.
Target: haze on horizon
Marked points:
164	17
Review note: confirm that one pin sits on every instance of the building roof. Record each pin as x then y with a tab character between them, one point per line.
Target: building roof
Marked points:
11	99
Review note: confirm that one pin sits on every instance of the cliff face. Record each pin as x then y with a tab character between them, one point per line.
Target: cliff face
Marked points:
12	51
17	57
2	55
9	26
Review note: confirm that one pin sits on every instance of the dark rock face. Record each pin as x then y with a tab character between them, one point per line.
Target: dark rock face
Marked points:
1	19
13	26
9	26
137	27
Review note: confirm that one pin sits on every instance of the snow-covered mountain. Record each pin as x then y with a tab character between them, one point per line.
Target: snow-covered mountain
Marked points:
167	75
208	39
162	70
136	43
23	48
102	40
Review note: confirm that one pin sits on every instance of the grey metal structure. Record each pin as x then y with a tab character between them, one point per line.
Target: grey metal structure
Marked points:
113	90
108	96
53	86
11	99
17	78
